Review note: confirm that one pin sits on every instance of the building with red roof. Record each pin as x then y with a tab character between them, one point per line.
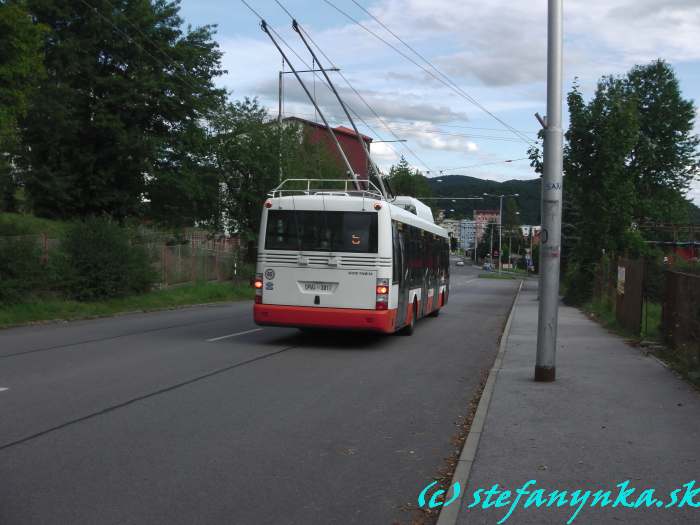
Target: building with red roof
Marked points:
347	138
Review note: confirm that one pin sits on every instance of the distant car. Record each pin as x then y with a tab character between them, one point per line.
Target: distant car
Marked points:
488	267
460	263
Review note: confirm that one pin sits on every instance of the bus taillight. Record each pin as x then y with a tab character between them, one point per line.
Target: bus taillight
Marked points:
382	301
258	285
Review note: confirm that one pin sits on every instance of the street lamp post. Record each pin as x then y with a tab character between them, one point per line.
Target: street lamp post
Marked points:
500	223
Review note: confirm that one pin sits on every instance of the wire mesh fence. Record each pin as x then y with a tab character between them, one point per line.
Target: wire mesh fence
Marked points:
177	260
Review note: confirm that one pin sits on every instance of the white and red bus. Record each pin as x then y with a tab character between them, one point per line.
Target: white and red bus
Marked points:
348	260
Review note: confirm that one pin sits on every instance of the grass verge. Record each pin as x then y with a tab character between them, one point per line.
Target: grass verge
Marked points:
24	224
685	361
190	294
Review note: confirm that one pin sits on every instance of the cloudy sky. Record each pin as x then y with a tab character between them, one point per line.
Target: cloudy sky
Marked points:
493	50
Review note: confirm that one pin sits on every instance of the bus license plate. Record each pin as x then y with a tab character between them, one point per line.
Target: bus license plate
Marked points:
318	287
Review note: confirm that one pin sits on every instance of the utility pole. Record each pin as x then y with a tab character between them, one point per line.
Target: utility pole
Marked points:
279	95
550	237
500	223
280	84
491	248
500	232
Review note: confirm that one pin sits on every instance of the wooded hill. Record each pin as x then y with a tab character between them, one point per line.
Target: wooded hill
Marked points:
528	201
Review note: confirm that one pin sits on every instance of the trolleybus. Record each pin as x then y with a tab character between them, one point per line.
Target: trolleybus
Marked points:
348	259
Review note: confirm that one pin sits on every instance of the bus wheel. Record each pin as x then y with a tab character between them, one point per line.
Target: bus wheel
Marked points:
408	330
434	313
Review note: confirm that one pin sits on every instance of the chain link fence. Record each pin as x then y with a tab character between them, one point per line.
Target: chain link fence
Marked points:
180	259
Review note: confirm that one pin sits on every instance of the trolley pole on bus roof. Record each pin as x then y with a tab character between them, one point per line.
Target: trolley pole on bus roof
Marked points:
548	319
370	162
353	176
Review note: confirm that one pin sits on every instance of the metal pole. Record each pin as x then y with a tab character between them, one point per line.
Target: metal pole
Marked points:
550	243
279	95
264	27
491	248
279	120
510	264
500	232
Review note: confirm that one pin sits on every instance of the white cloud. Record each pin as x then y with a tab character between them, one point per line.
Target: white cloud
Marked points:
501	42
495	50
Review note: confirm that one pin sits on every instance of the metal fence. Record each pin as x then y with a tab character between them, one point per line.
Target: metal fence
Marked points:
631	287
191	258
629	300
681	311
183	263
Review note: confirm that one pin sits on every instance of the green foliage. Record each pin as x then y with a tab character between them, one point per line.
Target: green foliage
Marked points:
21	271
20	68
20	65
665	157
488	240
682	265
629	158
253	153
125	98
405	181
96	261
190	294
462	186
24	224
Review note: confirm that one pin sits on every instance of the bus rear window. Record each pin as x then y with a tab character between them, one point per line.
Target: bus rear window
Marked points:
327	231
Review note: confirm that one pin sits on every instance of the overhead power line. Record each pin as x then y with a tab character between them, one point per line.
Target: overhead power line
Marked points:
358	94
443	79
484	164
350	108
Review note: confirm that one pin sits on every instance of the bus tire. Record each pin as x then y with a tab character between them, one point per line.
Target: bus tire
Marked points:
410	327
434	313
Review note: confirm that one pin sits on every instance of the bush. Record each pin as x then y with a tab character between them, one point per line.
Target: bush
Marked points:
97	260
21	271
579	283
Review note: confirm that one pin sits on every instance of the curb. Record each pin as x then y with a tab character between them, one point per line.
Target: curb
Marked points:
449	515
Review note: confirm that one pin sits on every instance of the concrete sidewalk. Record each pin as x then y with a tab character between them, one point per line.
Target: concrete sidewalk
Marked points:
612	415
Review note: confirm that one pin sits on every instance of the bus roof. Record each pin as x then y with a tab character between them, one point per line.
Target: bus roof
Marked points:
333	201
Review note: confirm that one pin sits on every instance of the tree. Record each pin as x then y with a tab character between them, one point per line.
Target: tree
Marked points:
600	140
629	158
20	68
511	214
484	244
126	97
405	181
253	153
665	157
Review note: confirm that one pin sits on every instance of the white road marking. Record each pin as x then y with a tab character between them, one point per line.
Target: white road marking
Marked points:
233	335
2	388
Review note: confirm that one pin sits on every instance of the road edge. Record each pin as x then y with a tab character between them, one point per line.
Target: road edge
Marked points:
58	320
449	515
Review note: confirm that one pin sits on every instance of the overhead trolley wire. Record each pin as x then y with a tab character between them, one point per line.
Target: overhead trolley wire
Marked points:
446	81
358	94
484	164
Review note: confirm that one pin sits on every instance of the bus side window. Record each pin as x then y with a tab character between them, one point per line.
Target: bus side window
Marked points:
398	256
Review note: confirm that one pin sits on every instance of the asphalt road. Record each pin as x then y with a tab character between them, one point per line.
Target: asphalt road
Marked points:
198	416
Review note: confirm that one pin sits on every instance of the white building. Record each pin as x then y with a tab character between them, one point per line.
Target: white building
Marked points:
467	234
452	227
